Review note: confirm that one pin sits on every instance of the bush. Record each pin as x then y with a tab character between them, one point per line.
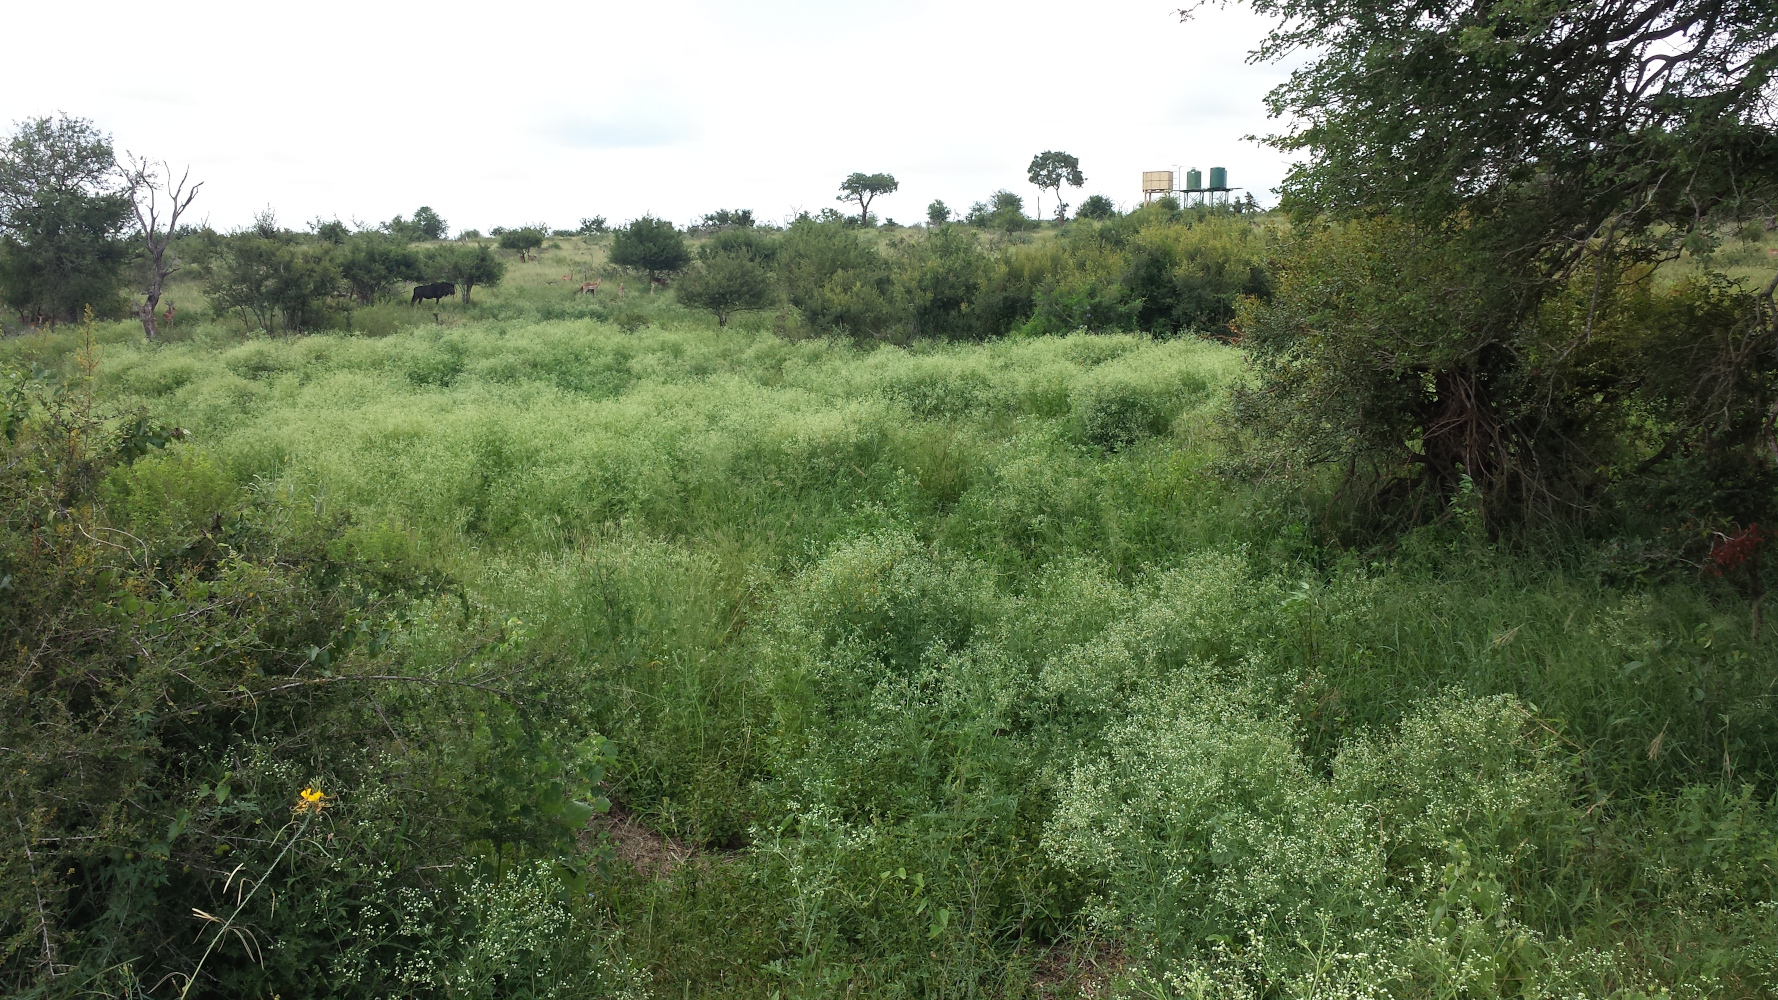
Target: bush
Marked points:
62	221
273	281
372	263
465	265
652	246
727	283
941	277
522	240
839	283
1096	207
1125	401
166	704
1004	211
1216	839
1390	350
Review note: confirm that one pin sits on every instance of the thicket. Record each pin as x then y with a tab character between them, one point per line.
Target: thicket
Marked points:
947	671
250	742
1157	270
961	668
1474	307
63	214
278	280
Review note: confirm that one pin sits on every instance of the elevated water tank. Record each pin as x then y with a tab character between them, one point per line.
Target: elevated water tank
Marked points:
1194	180
1219	179
1157	182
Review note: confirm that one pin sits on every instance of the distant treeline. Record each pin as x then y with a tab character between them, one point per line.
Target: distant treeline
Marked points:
1159	270
71	240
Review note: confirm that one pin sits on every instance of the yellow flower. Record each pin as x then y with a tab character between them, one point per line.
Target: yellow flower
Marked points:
311	799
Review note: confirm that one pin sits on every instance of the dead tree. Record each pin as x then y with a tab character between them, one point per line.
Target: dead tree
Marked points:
152	191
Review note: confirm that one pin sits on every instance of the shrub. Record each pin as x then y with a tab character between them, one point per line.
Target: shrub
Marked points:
1005	211
1096	207
727	283
465	265
941	276
273	280
372	263
522	240
166	703
1127	400
652	246
61	222
839	283
1252	873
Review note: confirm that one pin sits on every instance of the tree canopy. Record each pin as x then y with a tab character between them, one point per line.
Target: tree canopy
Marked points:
1050	170
522	240
726	283
862	188
425	225
651	245
1533	163
1560	119
465	265
62	219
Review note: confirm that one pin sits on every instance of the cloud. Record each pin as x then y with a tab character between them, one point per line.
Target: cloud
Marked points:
635	127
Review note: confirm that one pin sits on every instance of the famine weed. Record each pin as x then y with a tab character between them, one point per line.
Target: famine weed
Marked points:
308	807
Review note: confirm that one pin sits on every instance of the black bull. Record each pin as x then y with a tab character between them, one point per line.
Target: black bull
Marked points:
436	290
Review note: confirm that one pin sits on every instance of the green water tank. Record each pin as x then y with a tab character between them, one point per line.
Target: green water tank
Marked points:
1194	181
1219	178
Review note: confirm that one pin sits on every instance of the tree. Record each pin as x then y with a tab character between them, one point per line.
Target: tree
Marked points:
650	245
372	262
331	231
425	225
62	220
1551	151
727	218
1004	211
1097	206
938	213
1050	170
152	190
594	226
465	265
429	224
726	283
861	188
274	279
523	240
838	282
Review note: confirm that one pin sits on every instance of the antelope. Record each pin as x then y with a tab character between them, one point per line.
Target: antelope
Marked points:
590	288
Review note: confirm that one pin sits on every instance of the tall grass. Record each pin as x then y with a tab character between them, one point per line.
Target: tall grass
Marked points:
959	668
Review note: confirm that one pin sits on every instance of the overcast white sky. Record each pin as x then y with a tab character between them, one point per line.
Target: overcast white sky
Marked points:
509	113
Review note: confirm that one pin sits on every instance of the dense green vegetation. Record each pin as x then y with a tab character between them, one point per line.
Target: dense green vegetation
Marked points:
947	671
1357	600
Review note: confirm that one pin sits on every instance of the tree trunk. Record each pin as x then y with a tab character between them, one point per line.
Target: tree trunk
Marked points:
146	313
152	298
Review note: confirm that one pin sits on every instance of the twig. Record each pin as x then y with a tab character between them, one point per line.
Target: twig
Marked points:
192	979
49	951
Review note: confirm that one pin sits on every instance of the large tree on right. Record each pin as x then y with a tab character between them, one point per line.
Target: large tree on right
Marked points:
1500	282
